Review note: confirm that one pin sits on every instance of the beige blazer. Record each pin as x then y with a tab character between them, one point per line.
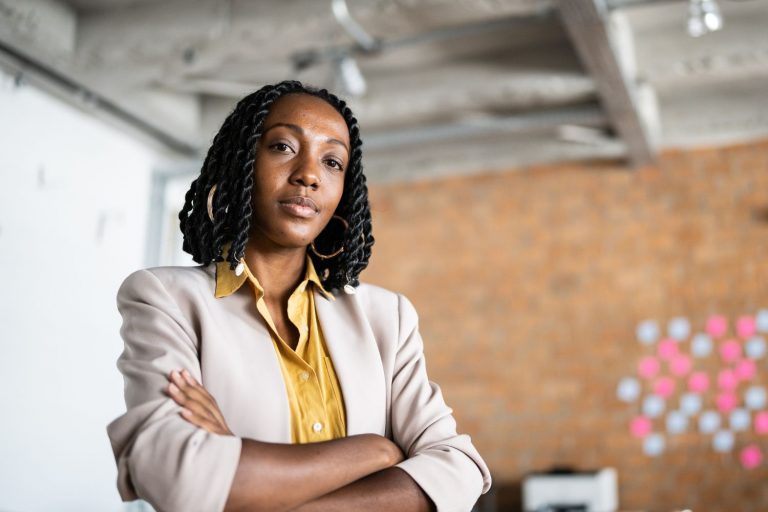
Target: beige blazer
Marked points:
172	320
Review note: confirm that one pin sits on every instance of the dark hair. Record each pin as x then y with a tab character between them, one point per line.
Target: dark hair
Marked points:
229	165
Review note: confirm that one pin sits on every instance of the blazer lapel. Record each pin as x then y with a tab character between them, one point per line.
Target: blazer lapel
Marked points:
255	388
357	362
266	385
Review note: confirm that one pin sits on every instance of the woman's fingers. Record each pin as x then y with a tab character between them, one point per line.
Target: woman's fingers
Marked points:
212	406
201	422
181	397
190	397
199	407
188	377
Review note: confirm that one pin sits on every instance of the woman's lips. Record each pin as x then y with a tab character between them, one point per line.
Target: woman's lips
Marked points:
300	206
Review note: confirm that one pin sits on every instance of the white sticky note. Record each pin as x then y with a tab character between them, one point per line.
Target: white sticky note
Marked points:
677	422
653	406
679	328
690	403
755	397
740	420
723	441
709	422
701	346
761	320
628	389
647	332
755	347
653	445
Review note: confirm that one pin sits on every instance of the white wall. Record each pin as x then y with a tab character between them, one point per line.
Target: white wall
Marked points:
73	208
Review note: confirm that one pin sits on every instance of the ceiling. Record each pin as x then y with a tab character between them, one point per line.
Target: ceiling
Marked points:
452	86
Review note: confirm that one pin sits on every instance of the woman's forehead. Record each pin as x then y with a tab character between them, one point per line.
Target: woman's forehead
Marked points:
307	110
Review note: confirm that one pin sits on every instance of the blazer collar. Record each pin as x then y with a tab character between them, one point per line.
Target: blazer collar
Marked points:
227	282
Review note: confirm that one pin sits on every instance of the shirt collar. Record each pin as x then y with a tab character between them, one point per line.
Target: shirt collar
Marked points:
227	282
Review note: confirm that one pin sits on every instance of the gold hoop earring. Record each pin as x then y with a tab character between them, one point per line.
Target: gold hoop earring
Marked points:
337	251
210	201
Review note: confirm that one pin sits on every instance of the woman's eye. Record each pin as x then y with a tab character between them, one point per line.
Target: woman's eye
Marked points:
280	146
335	164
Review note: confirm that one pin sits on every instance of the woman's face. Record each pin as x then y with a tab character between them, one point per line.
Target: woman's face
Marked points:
300	166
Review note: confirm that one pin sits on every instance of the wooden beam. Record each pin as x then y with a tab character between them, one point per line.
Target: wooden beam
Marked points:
588	27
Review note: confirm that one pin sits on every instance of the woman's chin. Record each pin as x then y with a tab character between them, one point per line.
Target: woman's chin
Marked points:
282	242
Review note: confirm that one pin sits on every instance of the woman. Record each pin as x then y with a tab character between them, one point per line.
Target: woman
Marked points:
268	377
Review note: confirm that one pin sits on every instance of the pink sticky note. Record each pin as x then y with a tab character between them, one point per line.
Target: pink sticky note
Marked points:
727	380
698	382
761	422
726	401
717	325
680	365
745	369
640	426
664	387
667	348
730	351
648	367
745	326
751	456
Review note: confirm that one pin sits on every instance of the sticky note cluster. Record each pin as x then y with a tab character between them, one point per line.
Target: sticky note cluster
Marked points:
674	389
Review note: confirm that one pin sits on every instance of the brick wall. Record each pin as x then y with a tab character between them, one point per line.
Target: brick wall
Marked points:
530	284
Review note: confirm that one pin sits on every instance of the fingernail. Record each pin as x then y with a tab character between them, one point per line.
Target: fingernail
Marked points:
173	388
188	376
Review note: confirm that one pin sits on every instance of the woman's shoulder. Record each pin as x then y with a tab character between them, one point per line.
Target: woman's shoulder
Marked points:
171	279
390	315
379	301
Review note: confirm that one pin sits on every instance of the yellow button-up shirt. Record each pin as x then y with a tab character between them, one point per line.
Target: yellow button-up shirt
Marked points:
314	395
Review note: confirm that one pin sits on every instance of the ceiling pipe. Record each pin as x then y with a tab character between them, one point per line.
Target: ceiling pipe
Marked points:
620	4
49	79
366	41
307	58
528	122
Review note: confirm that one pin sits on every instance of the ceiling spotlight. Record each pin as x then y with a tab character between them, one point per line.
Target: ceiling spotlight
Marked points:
703	16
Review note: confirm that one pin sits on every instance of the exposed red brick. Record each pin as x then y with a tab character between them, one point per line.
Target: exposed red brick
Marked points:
530	283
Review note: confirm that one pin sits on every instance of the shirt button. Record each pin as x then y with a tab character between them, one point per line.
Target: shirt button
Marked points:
304	376
317	427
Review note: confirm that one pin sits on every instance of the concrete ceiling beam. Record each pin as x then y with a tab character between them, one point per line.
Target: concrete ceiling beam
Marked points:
39	42
670	59
46	29
588	24
439	94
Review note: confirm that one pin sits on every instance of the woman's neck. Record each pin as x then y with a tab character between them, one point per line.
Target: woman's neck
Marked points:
279	271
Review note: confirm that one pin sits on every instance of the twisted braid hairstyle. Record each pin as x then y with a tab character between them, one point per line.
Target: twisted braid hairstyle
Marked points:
229	164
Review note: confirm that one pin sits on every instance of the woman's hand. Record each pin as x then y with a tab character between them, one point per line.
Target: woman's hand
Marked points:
198	406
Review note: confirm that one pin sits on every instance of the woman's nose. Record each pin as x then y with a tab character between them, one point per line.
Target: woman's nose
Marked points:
306	174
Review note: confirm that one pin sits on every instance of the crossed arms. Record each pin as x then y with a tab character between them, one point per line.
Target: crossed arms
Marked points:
177	465
344	474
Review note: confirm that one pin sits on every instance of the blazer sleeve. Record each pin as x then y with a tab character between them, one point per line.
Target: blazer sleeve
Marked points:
161	457
443	463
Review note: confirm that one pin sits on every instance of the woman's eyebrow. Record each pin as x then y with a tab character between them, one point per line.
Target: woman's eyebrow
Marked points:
298	129
294	127
339	142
